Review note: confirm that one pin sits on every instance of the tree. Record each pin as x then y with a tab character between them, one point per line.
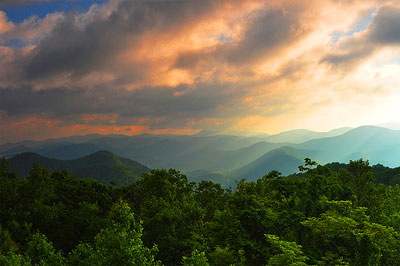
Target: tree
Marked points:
172	218
288	253
4	169
345	233
7	245
119	243
196	259
308	165
40	251
360	178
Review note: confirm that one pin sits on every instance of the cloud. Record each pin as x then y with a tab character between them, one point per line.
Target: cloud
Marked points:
351	54
79	50
189	64
132	105
386	27
5	25
265	33
268	33
32	30
6	3
382	32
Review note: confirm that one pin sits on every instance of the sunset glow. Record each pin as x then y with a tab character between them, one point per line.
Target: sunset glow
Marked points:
177	67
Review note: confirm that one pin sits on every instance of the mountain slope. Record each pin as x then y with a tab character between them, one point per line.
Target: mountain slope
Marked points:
220	160
280	159
303	135
369	142
103	166
213	152
69	151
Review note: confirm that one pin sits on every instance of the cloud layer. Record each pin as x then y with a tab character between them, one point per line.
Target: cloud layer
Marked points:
180	66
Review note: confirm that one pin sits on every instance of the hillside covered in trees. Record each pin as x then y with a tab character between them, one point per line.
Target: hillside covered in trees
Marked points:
103	166
337	214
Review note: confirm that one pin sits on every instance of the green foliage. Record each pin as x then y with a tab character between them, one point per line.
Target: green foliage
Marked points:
308	165
360	178
289	253
327	215
12	259
211	198
7	245
347	231
41	252
102	166
82	255
222	256
171	216
196	259
118	244
4	169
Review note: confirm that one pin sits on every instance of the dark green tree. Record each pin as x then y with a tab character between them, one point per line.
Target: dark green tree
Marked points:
119	243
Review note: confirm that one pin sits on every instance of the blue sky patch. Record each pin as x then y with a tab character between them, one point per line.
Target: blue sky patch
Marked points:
361	25
21	12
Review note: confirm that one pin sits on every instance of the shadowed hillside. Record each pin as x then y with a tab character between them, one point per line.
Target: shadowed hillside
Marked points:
279	159
103	166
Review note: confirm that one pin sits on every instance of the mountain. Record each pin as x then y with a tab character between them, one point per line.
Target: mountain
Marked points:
216	160
16	150
377	144
33	144
282	160
303	135
185	152
68	151
103	166
203	175
214	152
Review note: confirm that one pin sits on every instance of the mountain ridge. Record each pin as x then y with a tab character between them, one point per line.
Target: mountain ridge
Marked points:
103	166
216	155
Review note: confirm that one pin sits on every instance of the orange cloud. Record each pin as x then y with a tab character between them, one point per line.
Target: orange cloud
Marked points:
246	65
5	25
36	128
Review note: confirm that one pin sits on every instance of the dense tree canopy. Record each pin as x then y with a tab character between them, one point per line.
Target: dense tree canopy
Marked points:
338	214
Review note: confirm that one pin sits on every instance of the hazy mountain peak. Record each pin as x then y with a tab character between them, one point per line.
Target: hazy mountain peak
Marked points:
340	130
204	133
303	135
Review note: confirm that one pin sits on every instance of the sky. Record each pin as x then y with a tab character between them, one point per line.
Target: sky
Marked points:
74	67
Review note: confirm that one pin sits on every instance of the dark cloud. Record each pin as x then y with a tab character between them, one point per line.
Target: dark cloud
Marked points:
269	32
79	50
383	31
5	3
349	59
386	27
148	102
191	59
71	48
119	63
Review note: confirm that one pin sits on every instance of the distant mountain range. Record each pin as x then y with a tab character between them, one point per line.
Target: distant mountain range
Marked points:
218	156
284	160
303	135
102	166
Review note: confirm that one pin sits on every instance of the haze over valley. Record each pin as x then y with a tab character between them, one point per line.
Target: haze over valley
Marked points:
225	158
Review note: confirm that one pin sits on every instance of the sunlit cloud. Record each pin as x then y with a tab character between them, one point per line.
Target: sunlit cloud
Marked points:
181	66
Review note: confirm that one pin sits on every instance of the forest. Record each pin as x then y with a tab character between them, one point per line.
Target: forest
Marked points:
334	214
